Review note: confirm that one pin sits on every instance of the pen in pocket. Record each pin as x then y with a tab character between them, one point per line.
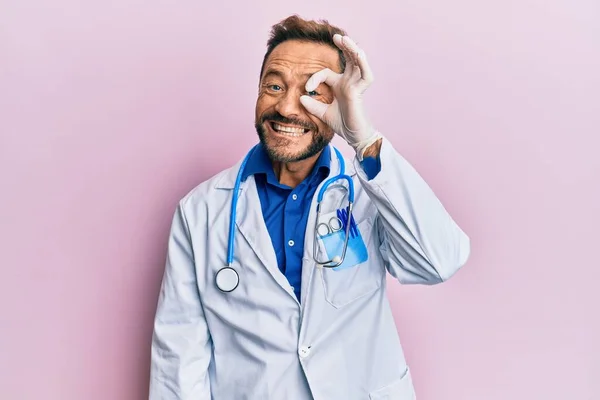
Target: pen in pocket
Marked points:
343	216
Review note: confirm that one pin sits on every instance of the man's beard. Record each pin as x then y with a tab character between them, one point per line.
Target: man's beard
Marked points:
277	152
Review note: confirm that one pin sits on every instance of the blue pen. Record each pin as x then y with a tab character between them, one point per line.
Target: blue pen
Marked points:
339	215
343	216
353	225
353	228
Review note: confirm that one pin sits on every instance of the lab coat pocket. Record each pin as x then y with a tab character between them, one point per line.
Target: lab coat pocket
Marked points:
401	389
356	277
356	250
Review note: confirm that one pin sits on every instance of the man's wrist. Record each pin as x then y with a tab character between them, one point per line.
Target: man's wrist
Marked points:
373	150
369	145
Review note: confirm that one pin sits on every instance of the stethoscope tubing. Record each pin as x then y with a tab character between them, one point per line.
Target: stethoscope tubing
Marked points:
324	187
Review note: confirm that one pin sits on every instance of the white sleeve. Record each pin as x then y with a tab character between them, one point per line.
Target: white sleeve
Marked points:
181	344
419	240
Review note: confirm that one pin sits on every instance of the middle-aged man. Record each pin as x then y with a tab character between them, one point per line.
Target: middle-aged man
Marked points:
263	296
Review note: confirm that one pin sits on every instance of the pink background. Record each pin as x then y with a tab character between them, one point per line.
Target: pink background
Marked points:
111	111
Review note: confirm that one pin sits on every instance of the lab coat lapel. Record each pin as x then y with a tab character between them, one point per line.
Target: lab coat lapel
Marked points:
251	225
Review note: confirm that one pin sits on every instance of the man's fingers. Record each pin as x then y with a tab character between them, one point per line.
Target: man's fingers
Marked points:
323	76
339	42
365	69
315	107
354	57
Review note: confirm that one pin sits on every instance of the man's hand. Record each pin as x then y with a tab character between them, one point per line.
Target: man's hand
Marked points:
346	114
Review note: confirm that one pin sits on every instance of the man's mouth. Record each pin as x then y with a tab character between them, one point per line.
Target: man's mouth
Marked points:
291	131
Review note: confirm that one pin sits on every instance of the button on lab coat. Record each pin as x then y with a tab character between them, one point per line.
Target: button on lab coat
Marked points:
259	342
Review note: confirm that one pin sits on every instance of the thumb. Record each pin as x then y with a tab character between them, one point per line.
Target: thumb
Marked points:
314	107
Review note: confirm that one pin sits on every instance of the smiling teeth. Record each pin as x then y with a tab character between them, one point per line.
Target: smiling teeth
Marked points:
288	131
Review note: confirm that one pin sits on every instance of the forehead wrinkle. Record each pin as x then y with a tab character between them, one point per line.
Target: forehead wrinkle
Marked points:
302	69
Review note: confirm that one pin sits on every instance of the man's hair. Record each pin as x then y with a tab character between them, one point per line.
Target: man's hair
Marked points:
297	28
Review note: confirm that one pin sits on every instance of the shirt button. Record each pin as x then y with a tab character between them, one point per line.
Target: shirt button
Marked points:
295	196
291	242
304	351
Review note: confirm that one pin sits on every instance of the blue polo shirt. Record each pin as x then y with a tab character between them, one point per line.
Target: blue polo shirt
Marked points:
285	209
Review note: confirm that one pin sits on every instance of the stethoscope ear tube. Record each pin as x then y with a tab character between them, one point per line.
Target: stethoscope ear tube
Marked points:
232	218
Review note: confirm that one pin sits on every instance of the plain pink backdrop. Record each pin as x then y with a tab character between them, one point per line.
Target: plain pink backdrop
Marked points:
111	111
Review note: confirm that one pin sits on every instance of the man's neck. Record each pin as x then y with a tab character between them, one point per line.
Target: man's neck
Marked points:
293	173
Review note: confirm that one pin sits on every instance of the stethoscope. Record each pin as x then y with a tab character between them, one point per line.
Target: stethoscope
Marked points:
227	279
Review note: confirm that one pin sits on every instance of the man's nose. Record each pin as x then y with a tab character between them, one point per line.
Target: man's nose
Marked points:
289	104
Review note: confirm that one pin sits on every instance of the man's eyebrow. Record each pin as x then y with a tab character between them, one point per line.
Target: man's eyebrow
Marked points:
272	71
278	73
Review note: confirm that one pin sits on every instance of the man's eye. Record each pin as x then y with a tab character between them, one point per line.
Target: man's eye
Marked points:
313	93
275	87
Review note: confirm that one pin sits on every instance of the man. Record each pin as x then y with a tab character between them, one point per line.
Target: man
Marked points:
276	320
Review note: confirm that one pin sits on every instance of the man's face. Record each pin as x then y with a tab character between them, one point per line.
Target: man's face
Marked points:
286	129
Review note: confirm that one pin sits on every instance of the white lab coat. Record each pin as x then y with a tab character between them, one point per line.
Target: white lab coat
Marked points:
258	342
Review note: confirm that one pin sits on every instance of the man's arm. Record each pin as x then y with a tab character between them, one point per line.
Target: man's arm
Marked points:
420	242
181	344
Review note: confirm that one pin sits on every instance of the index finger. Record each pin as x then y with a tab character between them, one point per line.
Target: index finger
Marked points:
325	75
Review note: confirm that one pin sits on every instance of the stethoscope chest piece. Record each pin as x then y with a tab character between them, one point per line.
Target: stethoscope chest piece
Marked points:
227	279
